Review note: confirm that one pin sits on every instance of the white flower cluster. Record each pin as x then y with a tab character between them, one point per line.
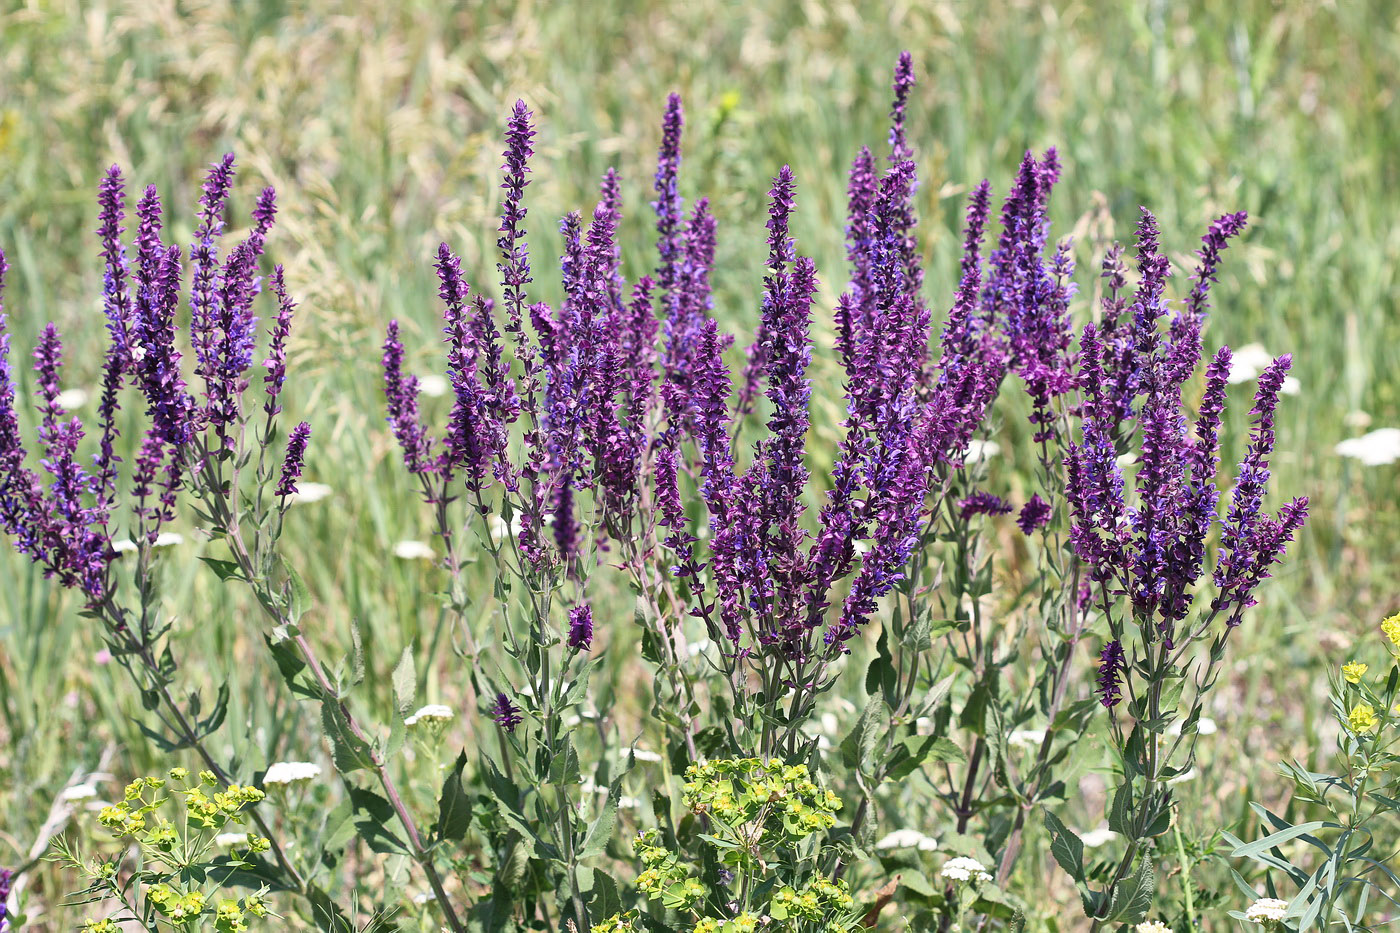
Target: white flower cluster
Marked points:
1266	910
1152	926
963	868
1378	448
433	712
289	772
908	839
413	550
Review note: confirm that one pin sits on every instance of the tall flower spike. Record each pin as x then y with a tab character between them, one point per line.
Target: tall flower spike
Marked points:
116	297
515	255
401	394
668	203
505	713
1111	665
276	362
775	287
581	627
21	513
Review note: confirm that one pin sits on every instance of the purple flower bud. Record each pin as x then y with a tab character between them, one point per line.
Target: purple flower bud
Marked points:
505	713
1035	514
292	462
1112	665
982	503
581	627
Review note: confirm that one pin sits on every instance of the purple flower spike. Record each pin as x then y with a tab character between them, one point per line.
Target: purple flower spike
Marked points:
401	393
1035	514
292	462
4	897
982	503
668	203
276	362
505	713
581	628
1111	666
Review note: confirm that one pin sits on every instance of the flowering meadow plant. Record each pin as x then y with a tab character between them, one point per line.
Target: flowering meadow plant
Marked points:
626	479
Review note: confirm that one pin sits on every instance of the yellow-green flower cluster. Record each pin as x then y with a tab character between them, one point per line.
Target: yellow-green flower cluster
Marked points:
663	876
1390	628
1353	671
1362	719
137	816
744	923
768	792
821	899
617	923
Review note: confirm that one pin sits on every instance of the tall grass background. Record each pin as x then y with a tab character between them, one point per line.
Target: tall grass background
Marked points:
381	125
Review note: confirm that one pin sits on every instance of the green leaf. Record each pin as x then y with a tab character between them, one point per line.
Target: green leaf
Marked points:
1065	846
911	753
226	569
357	654
373	815
405	683
298	596
1120	815
1252	849
349	751
454	806
1132	898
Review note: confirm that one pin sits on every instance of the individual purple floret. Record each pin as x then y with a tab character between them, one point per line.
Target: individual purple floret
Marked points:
505	713
1035	514
581	627
292	462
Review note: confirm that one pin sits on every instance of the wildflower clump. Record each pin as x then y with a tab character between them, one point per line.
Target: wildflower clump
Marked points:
178	822
762	864
753	798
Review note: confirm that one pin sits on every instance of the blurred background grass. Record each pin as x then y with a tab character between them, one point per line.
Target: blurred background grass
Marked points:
381	129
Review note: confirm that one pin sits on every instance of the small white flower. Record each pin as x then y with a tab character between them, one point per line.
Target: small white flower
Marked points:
643	754
124	545
433	385
1183	778
978	449
423	897
1266	909
1152	926
1098	837
1026	738
229	840
1290	386
309	492
1126	460
433	712
288	772
1378	448
413	550
963	868
1248	362
71	399
168	539
907	839
1357	420
79	792
697	648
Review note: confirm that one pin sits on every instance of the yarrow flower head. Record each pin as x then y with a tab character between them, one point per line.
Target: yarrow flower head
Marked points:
965	869
282	773
1266	910
433	713
1152	926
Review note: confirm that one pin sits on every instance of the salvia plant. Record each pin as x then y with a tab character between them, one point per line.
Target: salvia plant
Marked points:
617	441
